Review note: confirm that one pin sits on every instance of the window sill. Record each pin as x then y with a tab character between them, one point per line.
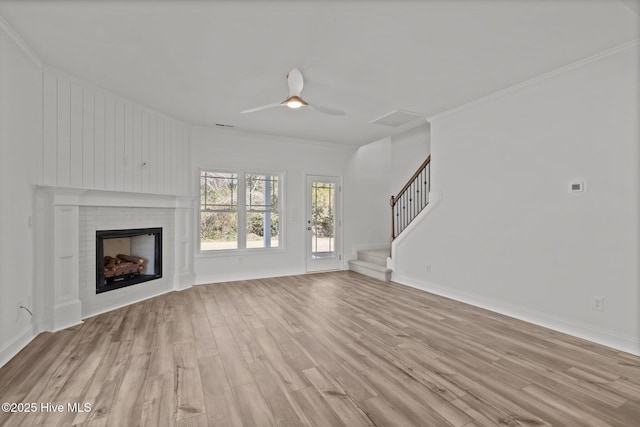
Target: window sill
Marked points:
237	252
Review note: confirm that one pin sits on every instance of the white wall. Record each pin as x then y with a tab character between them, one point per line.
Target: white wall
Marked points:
20	135
508	235
367	193
96	140
214	148
409	150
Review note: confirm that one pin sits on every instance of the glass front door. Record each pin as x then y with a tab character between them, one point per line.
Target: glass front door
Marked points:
323	223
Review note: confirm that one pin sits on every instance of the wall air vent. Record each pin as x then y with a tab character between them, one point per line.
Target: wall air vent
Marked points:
397	118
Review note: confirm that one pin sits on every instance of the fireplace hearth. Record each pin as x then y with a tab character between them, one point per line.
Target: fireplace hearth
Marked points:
127	257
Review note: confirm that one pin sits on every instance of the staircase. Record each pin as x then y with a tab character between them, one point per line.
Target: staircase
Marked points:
372	263
405	207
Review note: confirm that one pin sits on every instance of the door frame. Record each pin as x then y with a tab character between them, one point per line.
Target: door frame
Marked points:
331	264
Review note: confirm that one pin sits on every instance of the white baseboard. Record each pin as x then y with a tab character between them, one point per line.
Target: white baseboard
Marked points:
67	314
236	277
607	338
16	344
117	306
184	281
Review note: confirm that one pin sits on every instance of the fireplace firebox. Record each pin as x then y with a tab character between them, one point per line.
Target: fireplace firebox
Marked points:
127	257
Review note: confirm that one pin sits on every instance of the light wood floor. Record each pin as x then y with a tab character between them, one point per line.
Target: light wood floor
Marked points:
331	349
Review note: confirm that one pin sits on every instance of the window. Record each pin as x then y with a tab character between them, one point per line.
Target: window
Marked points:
239	210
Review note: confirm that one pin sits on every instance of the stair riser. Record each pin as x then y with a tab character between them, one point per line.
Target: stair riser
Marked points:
371	273
374	259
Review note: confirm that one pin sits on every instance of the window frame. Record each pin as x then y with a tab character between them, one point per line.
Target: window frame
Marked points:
242	213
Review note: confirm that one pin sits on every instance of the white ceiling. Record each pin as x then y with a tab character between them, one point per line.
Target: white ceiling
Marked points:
205	61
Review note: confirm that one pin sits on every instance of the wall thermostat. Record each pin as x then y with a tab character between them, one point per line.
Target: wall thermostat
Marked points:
576	187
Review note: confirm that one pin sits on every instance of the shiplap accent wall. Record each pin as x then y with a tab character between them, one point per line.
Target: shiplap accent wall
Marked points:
95	140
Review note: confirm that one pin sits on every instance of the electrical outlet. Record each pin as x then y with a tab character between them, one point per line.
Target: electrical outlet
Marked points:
597	303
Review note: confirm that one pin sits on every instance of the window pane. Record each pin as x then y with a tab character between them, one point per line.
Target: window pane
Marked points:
322	217
262	211
218	210
257	223
262	193
218	190
218	230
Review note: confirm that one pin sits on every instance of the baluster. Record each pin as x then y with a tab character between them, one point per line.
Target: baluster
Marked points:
412	201
404	211
408	205
421	191
422	188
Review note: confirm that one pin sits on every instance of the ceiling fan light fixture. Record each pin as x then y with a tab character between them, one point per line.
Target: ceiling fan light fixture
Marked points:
294	102
296	83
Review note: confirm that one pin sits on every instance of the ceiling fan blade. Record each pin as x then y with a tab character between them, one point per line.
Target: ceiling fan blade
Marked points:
264	107
295	81
328	110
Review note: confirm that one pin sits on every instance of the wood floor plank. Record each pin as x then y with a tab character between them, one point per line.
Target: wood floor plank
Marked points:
128	403
105	384
316	409
205	343
288	371
254	410
384	414
197	421
188	384
341	403
159	404
285	410
325	349
221	404
244	339
234	365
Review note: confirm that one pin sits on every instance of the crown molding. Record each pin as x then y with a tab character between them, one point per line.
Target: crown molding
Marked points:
19	41
632	5
578	64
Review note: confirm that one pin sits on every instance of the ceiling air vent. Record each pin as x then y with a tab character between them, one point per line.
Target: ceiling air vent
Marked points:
397	118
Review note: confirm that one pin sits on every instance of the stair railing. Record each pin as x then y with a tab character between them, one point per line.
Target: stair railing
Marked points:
413	197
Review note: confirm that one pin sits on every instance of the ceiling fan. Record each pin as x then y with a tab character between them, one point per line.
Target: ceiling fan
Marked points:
294	101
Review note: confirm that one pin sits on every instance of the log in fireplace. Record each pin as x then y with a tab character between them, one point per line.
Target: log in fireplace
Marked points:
127	257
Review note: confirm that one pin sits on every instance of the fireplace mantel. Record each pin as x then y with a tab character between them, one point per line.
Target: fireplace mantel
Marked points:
61	253
70	196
